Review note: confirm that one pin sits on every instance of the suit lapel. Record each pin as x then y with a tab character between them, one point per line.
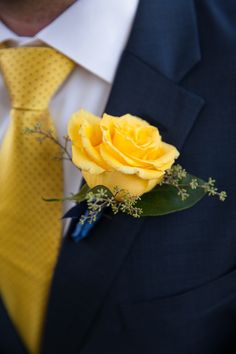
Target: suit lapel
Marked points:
163	47
165	36
145	92
146	86
84	274
10	341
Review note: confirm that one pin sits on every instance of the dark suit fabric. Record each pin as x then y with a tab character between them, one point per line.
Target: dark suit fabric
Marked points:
160	285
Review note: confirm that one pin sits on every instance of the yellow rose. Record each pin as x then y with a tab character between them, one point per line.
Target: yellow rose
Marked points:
122	151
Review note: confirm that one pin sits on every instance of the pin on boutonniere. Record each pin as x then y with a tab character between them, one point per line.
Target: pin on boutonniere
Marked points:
127	167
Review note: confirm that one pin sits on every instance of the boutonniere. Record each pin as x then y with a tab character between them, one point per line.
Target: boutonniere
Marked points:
127	168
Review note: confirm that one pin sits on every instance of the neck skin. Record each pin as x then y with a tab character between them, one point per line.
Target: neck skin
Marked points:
27	17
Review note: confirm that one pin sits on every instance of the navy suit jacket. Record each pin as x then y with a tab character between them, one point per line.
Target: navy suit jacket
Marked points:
160	285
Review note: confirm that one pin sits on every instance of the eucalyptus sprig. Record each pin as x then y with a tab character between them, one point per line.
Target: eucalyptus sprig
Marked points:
43	135
177	191
176	177
100	198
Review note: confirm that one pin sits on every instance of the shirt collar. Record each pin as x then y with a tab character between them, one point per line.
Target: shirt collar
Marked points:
91	33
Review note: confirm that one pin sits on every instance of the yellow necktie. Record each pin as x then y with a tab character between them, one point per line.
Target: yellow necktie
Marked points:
30	229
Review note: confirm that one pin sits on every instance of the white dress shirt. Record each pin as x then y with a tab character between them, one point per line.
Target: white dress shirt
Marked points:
93	34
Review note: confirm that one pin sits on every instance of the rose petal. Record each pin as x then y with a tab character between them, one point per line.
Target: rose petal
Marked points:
126	169
79	155
91	138
130	183
81	160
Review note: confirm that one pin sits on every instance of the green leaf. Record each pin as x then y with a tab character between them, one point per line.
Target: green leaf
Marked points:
99	187
164	199
79	197
53	199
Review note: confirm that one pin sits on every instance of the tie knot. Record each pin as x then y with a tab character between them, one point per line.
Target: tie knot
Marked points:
33	75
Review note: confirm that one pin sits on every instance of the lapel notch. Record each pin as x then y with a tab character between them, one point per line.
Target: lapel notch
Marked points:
165	36
163	47
142	91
